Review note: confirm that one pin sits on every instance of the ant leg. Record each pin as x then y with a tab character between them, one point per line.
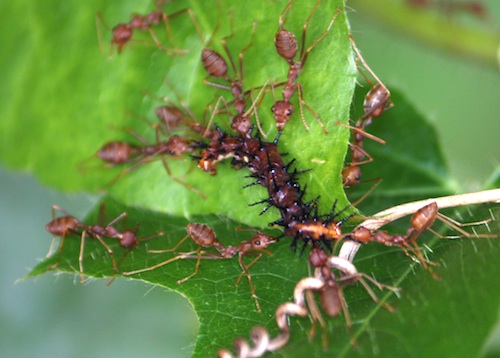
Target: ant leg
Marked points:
80	256
172	249
247	266
100	19
196	269
363	197
193	21
365	65
304	54
257	120
117	219
362	132
316	317
155	266
242	52
110	251
215	110
457	226
186	185
250	283
316	115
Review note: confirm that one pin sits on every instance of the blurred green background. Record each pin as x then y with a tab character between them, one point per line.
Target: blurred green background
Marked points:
56	316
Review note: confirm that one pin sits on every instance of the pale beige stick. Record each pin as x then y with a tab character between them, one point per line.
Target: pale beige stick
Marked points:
350	248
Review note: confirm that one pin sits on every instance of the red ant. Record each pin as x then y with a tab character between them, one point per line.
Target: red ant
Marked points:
216	66
205	237
332	300
351	174
68	225
286	46
377	100
171	116
123	32
421	220
119	152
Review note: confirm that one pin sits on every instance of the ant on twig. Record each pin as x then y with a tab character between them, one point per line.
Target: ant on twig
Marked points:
420	221
67	225
331	296
324	282
205	237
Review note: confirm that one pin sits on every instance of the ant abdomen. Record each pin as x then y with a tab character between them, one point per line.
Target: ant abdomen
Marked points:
169	115
63	226
116	152
375	102
201	234
424	217
286	44
213	63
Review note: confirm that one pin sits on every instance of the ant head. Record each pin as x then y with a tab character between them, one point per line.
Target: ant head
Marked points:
241	124
260	241
317	257
360	234
129	239
282	111
121	35
351	175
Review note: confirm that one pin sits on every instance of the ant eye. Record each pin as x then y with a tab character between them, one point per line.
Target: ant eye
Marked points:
289	113
272	109
257	243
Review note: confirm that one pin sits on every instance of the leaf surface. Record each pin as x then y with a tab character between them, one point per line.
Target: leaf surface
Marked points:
86	98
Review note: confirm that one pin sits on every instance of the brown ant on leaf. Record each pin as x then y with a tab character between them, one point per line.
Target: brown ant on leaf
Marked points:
205	237
119	152
376	102
67	225
216	66
123	32
287	47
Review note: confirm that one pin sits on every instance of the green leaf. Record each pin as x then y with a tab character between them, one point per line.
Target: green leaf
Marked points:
70	114
90	97
224	310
